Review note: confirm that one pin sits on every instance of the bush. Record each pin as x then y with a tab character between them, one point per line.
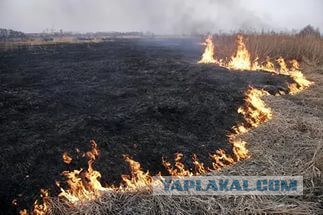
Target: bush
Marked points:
309	31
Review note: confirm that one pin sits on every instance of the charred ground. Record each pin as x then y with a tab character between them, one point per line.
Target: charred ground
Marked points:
145	98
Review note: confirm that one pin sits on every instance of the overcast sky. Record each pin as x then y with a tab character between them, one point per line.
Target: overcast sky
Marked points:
160	16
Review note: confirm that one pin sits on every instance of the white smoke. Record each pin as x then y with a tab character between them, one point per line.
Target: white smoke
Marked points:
160	16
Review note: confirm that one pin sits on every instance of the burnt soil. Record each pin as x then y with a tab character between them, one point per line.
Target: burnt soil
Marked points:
143	97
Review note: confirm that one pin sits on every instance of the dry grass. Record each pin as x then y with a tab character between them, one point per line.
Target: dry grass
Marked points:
290	144
5	45
274	45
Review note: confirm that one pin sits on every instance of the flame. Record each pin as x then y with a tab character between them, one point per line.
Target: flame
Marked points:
199	167
138	178
301	82
85	185
221	159
66	158
39	208
268	66
241	59
23	212
283	67
208	55
239	149
256	111
179	169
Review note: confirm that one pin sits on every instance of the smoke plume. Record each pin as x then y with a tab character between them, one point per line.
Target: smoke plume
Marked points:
160	16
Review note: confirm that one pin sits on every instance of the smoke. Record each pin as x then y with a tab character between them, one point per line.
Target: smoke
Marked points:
160	16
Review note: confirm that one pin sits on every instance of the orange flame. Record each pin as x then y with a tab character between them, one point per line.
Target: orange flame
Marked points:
84	185
179	169
39	208
199	167
239	149
256	111
283	67
138	179
301	82
208	55
66	158
241	59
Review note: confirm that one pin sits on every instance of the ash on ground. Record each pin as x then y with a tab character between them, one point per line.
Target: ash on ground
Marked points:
145	98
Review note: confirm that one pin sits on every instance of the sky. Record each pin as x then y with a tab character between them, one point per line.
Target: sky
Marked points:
160	16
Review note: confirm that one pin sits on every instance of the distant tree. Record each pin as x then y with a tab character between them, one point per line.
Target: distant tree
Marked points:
8	34
309	31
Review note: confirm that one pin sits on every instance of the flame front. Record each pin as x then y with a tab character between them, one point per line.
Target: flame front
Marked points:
85	185
241	60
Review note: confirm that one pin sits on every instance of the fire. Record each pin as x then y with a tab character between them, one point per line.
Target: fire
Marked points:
85	185
39	208
301	82
66	158
283	67
199	167
256	111
239	149
221	159
241	59
208	55
268	66
138	179
179	169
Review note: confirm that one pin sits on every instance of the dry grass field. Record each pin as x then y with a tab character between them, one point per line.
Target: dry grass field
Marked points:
306	48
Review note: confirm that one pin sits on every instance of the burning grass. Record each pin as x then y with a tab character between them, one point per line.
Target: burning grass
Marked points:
294	147
241	60
85	194
291	46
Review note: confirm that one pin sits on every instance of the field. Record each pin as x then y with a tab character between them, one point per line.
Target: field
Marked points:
149	99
